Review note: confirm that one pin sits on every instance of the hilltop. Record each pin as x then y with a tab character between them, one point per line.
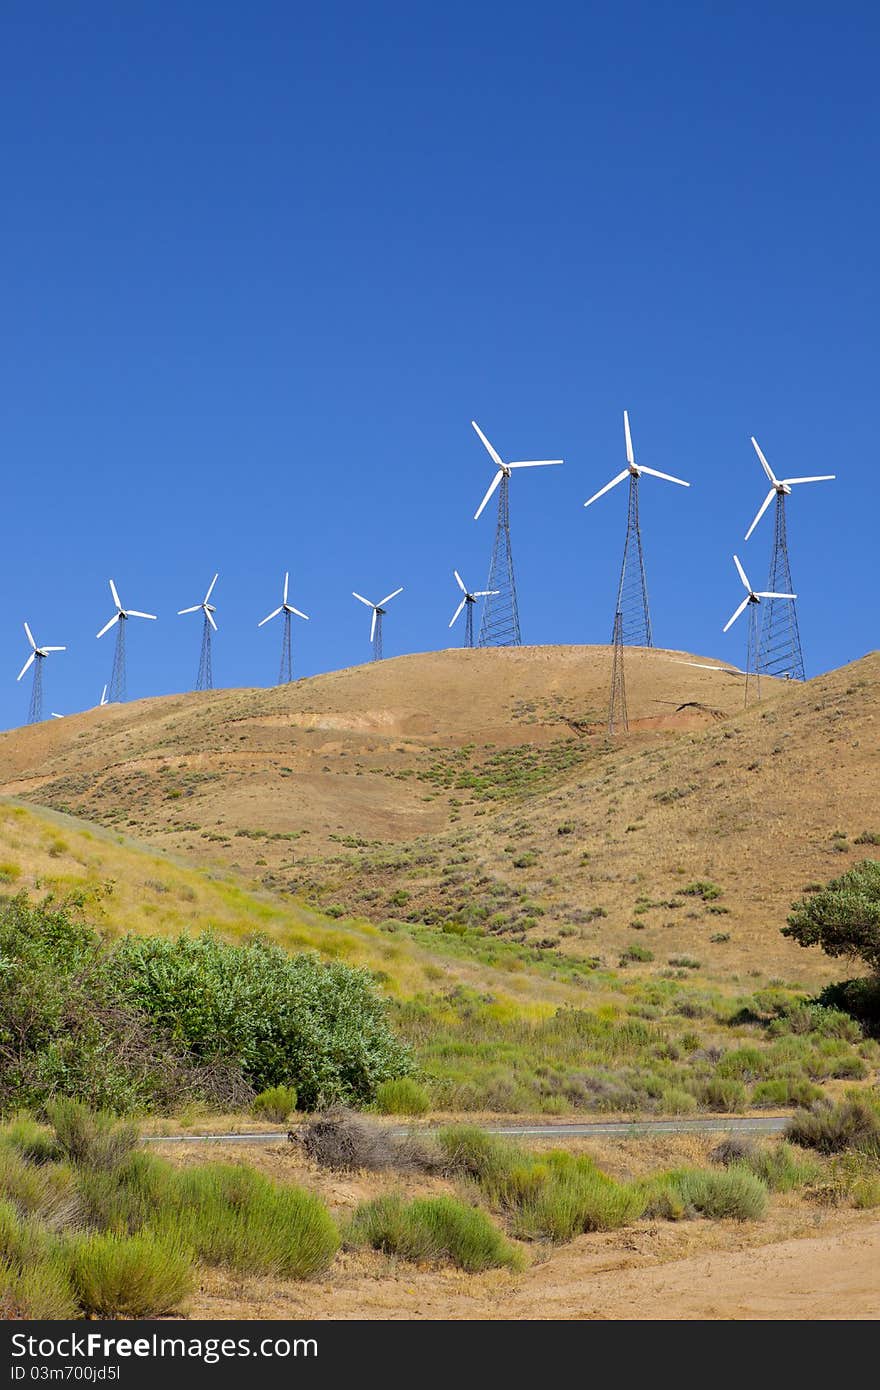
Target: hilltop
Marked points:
479	788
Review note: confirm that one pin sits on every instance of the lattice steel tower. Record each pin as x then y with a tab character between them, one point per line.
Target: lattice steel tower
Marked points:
205	677
618	722
499	625
631	609
779	651
468	603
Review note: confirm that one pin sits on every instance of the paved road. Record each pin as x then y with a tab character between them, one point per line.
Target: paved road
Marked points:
619	1129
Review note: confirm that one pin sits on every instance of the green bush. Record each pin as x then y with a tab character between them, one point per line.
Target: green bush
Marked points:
722	1093
781	1168
90	1138
126	1198
743	1063
733	1193
575	1197
852	1123
35	1142
436	1229
402	1096
129	1276
287	1020
276	1103
843	918
43	1291
785	1090
230	1215
45	1191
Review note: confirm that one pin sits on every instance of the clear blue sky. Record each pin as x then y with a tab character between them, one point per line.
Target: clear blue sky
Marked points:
261	265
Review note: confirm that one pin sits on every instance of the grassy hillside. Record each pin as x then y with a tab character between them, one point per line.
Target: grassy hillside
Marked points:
479	789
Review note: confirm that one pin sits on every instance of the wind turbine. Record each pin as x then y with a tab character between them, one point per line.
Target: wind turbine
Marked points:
205	677
378	615
37	657
286	673
120	618
752	601
500	622
468	603
780	652
632	617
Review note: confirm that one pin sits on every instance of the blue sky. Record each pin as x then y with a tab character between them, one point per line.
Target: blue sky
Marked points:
261	265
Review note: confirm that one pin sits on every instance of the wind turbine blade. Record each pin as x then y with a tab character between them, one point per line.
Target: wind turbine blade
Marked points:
297	612
458	610
107	626
763	595
195	608
486	593
30	637
742	573
54	649
492	452
286	582
823	478
764	464
115	595
362	599
459	581
133	613
104	696
31	659
667	477
535	463
730	622
762	509
389	597
630	457
608	486
373	624
210	618
492	486
211	587
269	616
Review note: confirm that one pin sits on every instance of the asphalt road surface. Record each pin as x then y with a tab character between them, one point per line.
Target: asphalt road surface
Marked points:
619	1129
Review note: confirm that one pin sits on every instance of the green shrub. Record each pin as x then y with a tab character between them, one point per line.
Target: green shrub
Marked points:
43	1291
722	1093
45	1191
402	1096
90	1138
781	1168
129	1276
703	889
230	1215
275	1104
785	1090
635	953
733	1193
743	1063
832	1128
287	1020
125	1199
436	1229
35	1142
573	1198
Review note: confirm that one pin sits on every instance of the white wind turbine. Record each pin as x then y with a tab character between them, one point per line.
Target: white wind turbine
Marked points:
119	619
378	615
500	622
632	618
36	658
205	677
780	487
286	673
468	602
752	601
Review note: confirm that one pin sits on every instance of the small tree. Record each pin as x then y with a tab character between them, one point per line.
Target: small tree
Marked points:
844	920
844	917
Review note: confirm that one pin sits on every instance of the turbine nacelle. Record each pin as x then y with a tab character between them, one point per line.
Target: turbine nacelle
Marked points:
36	653
283	607
379	609
208	609
469	597
122	614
